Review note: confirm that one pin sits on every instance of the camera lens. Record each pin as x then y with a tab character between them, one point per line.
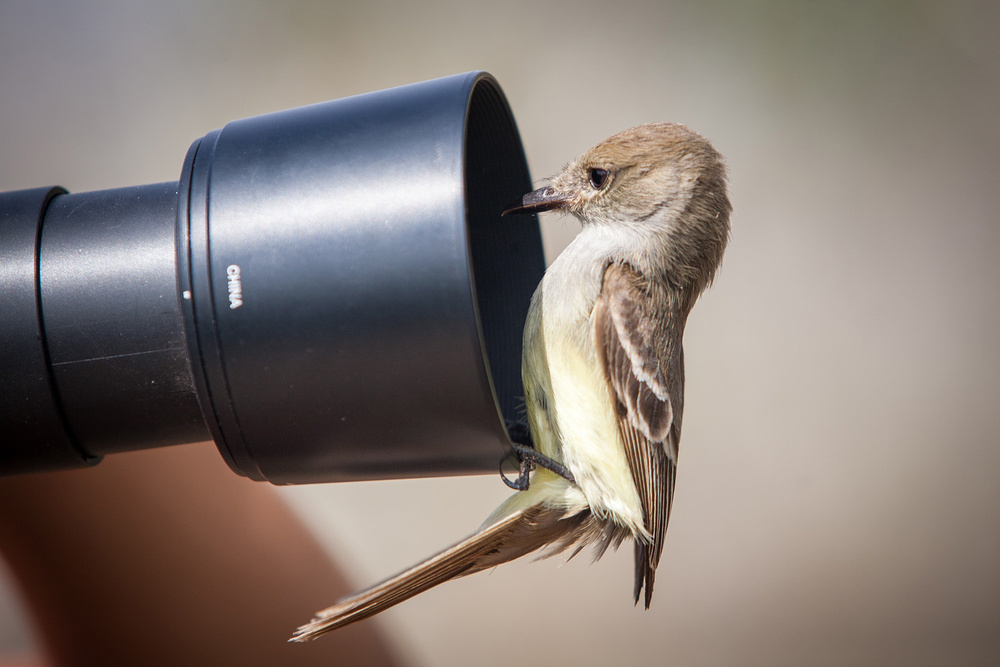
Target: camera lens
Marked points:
328	292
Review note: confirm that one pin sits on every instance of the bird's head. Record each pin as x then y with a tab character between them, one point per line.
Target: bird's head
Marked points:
659	181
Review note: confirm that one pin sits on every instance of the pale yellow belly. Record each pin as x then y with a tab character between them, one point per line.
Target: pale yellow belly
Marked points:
572	420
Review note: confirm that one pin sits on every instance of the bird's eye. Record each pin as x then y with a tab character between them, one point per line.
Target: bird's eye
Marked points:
598	178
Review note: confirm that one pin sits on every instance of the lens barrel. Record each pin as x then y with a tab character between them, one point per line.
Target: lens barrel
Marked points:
328	292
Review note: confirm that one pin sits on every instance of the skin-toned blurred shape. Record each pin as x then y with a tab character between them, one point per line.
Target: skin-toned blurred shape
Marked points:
165	557
603	366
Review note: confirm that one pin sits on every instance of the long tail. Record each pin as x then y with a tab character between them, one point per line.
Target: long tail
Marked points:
519	533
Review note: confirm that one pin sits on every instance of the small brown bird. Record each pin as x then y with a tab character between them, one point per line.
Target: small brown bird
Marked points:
603	367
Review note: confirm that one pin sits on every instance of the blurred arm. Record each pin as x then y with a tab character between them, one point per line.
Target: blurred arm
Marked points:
167	557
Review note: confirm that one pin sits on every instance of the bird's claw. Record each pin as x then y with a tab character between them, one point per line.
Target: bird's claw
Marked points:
529	458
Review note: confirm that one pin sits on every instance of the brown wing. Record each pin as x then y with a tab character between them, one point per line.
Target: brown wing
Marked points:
639	348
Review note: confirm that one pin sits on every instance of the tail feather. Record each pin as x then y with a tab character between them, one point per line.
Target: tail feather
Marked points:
519	533
647	556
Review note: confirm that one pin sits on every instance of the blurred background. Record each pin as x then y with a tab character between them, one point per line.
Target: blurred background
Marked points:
838	500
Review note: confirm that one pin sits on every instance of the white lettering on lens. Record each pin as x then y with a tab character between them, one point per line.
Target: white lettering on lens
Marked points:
235	286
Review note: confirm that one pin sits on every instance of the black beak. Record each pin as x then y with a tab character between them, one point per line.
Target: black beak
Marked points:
543	199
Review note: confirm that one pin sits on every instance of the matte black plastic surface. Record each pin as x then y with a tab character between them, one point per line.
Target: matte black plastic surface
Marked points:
349	231
329	292
112	319
33	433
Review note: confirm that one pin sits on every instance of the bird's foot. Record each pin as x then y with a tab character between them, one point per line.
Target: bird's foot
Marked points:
529	458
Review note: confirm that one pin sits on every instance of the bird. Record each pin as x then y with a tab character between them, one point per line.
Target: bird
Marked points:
602	364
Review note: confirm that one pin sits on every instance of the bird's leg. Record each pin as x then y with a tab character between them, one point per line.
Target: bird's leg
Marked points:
523	480
529	458
533	457
520	437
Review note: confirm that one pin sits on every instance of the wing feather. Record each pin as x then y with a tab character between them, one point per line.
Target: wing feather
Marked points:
640	355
